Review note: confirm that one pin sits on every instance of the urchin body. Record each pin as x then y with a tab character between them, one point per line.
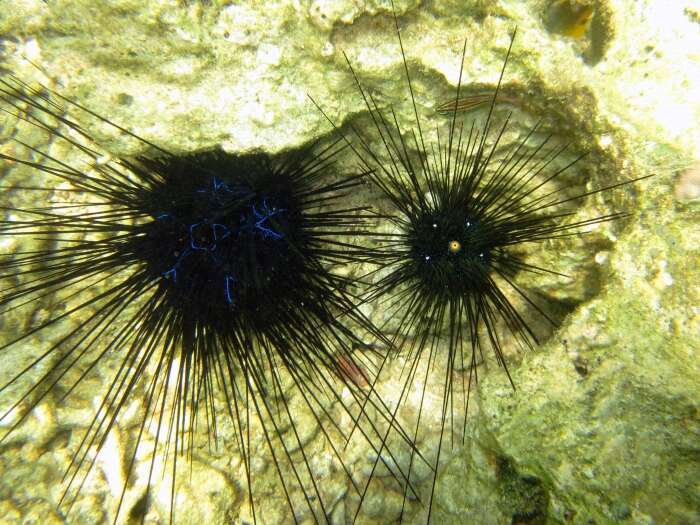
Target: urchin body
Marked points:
207	277
450	250
233	244
466	208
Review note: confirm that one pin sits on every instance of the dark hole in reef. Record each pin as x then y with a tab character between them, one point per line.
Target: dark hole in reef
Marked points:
523	497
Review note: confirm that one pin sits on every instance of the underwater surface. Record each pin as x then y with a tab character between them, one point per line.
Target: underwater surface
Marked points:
603	424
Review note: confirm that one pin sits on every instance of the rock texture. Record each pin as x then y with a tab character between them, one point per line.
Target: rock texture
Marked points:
604	424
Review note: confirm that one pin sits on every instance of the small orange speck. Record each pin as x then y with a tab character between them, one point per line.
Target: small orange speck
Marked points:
455	247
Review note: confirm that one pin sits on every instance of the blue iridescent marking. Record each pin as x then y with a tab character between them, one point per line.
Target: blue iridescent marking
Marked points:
220	231
217	185
262	217
193	242
228	283
206	235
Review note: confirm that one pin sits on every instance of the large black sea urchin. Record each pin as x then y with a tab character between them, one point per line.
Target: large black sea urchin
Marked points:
466	210
204	277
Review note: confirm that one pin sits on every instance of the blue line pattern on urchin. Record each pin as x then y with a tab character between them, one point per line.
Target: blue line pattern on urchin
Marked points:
204	236
218	186
262	217
219	233
173	271
228	283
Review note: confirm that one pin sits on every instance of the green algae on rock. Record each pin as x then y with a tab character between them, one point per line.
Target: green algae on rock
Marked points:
612	395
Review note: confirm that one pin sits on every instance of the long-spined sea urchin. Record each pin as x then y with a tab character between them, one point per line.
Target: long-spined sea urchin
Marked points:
199	277
464	209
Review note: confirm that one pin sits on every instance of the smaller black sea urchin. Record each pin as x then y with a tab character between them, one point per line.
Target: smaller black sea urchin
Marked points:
203	279
465	210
